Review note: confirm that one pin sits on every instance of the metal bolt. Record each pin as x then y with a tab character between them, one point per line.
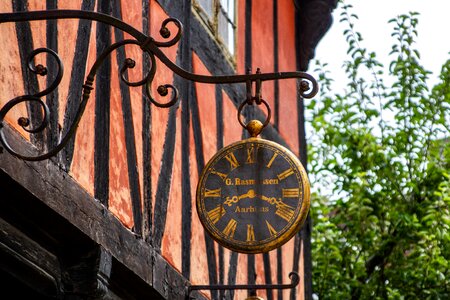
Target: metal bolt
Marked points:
162	90
130	63
304	85
41	70
164	32
24	122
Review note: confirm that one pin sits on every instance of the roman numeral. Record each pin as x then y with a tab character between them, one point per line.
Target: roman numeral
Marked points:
250	155
221	175
212	193
285	174
269	164
250	233
285	211
272	230
291	193
230	228
232	160
215	214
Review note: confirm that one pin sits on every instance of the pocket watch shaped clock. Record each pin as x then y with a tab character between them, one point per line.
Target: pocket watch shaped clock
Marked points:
253	196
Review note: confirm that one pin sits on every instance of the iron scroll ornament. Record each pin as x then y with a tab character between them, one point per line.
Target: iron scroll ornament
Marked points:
148	45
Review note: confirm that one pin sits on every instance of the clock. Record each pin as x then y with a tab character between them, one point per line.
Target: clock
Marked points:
253	196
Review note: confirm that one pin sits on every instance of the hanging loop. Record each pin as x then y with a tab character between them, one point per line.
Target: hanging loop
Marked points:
254	127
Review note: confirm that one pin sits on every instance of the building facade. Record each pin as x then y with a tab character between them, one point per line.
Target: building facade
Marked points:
112	214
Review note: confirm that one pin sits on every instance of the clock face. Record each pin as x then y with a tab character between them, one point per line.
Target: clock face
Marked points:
253	196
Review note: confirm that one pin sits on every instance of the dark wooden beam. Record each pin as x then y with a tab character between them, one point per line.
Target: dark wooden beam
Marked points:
102	109
24	259
199	155
30	81
76	81
276	84
147	213
62	194
186	89
52	67
219	138
165	179
313	19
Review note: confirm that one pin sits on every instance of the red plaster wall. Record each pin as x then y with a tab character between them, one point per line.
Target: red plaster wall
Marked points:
262	44
288	126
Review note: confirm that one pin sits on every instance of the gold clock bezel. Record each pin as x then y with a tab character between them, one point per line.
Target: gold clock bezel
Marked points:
288	231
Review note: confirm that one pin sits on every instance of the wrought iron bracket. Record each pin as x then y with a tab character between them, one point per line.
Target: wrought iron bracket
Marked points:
307	89
308	85
295	279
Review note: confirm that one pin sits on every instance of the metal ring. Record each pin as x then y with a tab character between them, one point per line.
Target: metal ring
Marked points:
269	113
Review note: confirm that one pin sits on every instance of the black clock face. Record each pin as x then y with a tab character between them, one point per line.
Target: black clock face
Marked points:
253	196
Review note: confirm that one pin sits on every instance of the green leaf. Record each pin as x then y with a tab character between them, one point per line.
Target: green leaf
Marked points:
380	153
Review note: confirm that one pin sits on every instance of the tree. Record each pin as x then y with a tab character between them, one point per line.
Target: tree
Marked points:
384	152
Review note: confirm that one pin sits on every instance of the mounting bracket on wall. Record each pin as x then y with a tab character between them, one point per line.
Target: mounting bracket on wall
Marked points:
308	88
147	44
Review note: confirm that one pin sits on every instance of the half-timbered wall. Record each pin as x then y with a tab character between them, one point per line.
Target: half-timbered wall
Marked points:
142	162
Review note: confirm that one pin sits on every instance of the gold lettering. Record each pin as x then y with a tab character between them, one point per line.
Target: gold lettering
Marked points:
228	181
271	160
232	160
264	209
270	181
250	209
221	175
250	233
291	193
285	211
216	213
272	230
250	155
230	228
285	174
238	181
212	193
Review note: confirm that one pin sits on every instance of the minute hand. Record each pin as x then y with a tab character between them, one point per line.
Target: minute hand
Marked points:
283	210
274	201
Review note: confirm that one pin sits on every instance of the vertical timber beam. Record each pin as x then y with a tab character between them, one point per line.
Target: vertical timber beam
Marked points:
102	110
187	90
76	81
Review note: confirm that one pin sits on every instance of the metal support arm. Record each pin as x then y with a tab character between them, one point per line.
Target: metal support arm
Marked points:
147	44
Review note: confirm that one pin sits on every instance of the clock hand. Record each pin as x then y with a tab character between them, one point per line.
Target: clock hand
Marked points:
231	200
234	199
271	200
282	209
274	201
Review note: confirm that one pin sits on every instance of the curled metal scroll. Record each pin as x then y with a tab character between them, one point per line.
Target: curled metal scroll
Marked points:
148	45
295	279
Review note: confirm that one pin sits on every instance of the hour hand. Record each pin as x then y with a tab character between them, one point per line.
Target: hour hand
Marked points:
234	199
250	194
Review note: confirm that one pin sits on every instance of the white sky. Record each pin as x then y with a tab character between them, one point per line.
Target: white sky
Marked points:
433	42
